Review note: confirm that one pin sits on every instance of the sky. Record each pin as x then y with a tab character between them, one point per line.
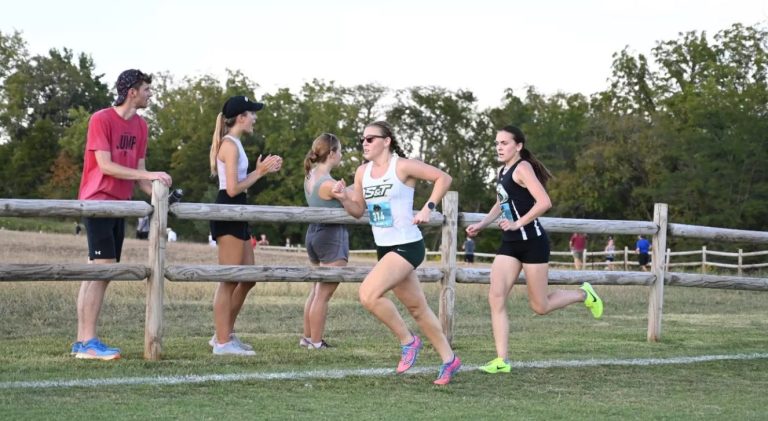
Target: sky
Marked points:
485	46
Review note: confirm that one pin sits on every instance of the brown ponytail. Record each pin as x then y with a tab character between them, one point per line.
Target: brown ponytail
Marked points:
322	146
222	128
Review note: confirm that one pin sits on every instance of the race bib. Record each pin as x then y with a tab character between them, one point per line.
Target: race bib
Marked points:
380	214
506	212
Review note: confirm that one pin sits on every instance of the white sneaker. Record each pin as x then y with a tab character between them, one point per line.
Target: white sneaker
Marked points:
231	348
304	342
212	342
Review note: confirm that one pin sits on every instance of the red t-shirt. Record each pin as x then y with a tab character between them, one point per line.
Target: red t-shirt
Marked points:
126	140
578	242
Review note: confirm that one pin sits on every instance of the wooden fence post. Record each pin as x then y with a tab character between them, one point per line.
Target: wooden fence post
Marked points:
703	259
448	246
626	258
153	327
656	298
741	260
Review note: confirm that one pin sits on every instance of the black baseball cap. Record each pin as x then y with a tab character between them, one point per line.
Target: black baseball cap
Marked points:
239	104
125	82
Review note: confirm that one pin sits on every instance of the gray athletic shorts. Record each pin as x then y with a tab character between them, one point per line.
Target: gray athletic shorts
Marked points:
327	243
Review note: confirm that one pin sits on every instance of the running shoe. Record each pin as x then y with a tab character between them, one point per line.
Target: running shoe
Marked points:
447	371
409	354
231	348
94	349
322	345
499	365
76	348
592	301
304	342
232	337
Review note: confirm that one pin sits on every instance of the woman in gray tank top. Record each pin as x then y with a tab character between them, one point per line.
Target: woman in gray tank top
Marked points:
327	244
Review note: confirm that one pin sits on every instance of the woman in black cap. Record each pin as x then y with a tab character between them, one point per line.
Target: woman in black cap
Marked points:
230	163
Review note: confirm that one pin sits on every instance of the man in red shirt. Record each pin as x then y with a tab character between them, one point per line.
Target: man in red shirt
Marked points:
578	244
115	152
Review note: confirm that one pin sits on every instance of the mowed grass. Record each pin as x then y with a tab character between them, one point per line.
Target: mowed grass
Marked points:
39	323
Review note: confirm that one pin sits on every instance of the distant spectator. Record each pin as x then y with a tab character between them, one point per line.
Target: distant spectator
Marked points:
211	241
578	244
642	248
610	250
263	241
287	242
171	235
142	228
469	250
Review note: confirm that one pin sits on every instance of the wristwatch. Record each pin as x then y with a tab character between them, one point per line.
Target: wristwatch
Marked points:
431	205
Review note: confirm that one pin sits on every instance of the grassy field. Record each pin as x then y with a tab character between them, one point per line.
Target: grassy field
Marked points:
39	322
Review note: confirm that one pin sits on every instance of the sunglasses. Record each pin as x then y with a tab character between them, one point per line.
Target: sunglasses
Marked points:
369	139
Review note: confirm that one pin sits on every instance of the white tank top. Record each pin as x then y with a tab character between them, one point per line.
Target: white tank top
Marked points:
242	164
390	207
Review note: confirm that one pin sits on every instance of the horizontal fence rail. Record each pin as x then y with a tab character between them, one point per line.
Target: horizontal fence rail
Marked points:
253	273
74	208
257	213
72	272
448	274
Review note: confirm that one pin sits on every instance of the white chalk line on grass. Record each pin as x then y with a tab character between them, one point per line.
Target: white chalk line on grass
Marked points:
360	372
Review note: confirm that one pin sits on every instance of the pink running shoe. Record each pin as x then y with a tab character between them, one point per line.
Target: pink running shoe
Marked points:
447	371
409	354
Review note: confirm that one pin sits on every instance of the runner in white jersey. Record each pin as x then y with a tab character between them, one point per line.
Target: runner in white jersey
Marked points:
384	186
521	200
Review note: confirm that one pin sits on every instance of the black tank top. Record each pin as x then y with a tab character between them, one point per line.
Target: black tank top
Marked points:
516	201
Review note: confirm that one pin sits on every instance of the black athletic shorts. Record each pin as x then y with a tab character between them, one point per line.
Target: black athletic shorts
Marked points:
414	252
237	229
105	237
643	259
535	250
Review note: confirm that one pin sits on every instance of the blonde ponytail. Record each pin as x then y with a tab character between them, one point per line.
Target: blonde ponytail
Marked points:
218	134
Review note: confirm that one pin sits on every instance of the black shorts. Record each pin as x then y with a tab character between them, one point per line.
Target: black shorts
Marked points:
105	237
238	229
535	250
414	252
469	258
644	259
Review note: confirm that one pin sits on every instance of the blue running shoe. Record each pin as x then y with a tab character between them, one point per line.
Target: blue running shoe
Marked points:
409	354
76	347
94	349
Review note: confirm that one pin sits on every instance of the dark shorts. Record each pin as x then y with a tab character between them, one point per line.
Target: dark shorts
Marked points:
327	243
535	250
644	259
609	258
238	229
469	258
414	252
105	237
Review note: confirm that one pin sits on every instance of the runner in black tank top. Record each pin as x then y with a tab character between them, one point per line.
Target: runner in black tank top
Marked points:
521	199
515	201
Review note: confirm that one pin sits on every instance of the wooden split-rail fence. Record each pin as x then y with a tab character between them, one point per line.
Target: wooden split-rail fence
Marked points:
448	274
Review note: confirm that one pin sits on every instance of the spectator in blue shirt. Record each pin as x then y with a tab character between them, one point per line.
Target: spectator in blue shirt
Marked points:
642	248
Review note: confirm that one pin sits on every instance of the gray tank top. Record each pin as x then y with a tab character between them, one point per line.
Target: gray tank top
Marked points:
314	199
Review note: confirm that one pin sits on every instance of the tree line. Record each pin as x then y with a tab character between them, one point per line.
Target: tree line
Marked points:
685	124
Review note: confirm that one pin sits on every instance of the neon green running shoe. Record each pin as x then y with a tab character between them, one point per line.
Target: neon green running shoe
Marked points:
499	365
592	302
